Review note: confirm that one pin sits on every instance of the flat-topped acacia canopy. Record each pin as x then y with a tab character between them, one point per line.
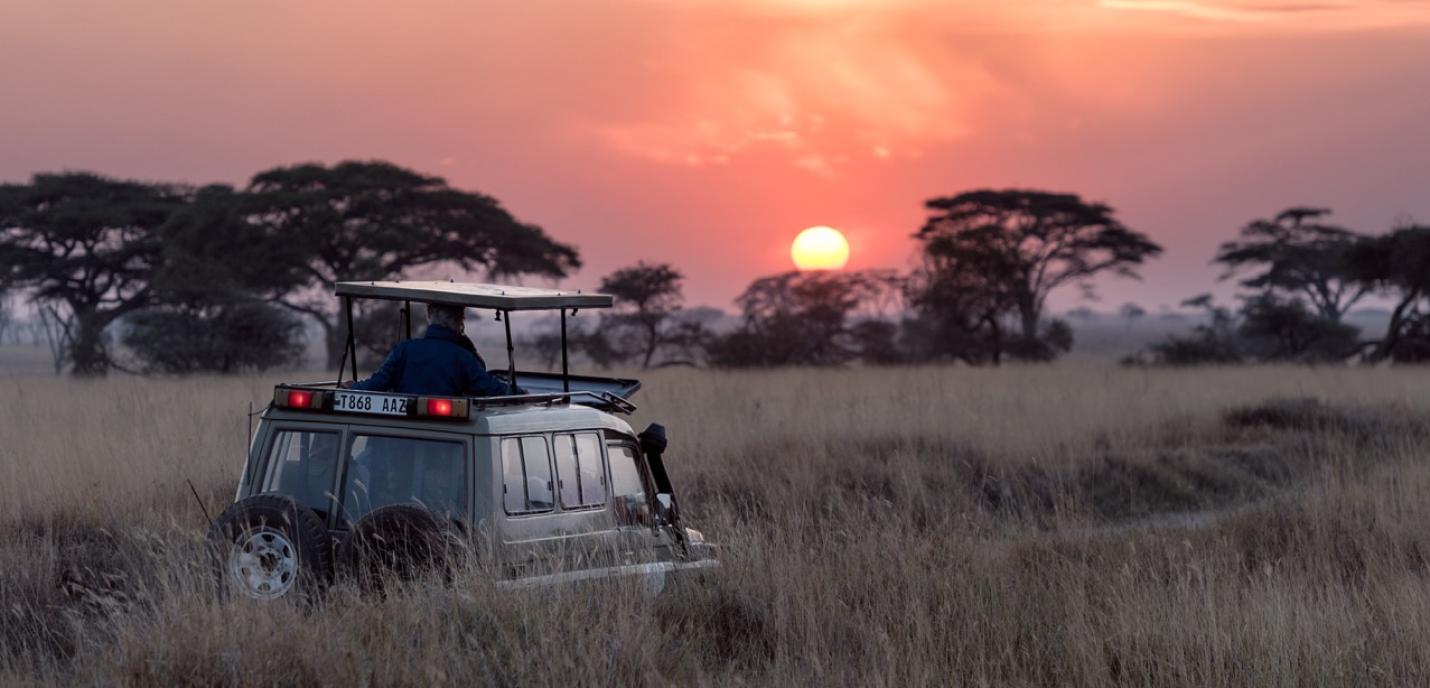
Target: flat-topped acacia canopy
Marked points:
473	295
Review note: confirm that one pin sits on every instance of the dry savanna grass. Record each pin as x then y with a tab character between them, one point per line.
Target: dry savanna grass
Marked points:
1023	526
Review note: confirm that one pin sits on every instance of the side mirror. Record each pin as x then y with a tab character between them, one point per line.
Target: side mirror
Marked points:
666	509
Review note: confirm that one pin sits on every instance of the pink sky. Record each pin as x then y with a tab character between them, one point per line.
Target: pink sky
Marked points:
707	133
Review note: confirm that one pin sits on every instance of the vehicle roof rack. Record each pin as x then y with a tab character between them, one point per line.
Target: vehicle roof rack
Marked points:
604	401
473	295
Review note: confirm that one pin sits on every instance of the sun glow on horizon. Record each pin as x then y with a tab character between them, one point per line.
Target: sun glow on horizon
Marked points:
820	248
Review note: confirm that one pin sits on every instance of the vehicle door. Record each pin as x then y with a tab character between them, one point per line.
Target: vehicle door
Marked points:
555	507
633	503
383	466
299	460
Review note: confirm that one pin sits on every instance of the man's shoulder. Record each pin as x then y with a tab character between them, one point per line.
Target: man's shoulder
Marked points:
400	349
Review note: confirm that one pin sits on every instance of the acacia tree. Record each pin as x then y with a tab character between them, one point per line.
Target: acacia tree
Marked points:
375	220
212	252
211	306
1398	263
799	318
1031	243
1280	329
647	295
86	247
1299	256
958	301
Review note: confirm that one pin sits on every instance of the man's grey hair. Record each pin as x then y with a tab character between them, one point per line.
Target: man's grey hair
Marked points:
450	317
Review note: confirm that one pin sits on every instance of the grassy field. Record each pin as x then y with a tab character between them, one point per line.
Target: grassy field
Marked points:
1024	526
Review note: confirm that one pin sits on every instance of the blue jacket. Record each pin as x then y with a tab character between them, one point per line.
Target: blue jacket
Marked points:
436	365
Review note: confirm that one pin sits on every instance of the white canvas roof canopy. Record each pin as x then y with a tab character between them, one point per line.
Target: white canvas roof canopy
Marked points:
473	295
501	298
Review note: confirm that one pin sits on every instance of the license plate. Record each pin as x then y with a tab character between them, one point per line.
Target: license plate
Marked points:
367	402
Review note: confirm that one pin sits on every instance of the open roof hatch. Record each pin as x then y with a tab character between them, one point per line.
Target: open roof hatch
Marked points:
504	299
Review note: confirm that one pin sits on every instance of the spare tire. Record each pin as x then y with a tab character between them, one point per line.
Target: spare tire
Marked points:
400	541
269	546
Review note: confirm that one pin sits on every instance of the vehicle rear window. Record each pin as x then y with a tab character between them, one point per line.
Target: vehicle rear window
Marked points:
301	465
526	475
403	470
579	472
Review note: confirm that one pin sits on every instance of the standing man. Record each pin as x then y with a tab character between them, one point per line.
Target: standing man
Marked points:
438	364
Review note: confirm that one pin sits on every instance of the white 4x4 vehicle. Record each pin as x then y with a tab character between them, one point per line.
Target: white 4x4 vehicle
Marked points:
546	486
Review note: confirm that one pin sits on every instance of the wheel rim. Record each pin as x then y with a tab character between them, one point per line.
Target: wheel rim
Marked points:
263	563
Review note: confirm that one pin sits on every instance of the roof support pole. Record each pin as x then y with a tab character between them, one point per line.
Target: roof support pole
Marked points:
407	317
565	365
352	338
510	352
347	345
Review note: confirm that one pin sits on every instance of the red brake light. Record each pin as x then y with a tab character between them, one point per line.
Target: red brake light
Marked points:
298	398
430	407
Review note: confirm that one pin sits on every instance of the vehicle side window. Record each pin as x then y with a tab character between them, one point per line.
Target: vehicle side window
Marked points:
579	474
302	465
526	475
631	504
402	470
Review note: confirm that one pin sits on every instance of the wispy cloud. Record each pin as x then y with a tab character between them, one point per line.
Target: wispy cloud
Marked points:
1332	14
830	84
1189	9
826	94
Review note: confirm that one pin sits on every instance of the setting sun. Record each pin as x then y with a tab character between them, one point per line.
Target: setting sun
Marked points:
819	248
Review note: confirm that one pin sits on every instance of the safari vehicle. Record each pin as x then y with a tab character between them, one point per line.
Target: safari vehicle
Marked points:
549	485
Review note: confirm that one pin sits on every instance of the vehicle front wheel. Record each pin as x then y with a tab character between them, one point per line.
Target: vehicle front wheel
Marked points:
268	547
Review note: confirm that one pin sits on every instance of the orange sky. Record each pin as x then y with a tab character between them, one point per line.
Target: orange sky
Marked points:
707	133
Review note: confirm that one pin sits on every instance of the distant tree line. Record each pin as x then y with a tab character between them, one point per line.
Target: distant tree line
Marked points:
1300	276
224	279
218	279
987	262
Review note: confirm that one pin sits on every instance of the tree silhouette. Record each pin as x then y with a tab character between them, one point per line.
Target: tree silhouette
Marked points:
1297	254
375	220
1131	312
1030	243
1266	328
219	337
1399	264
688	337
798	318
647	295
1214	342
958	301
86	246
1281	329
212	253
212	290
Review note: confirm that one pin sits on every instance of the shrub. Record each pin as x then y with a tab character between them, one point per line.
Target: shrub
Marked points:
220	339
